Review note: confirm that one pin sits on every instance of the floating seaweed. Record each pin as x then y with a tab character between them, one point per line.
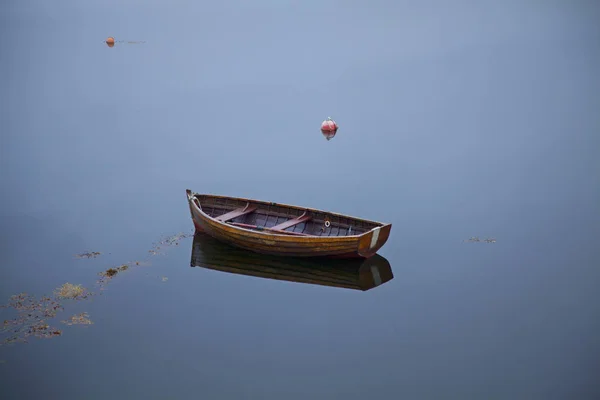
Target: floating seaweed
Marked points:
70	291
109	273
32	314
476	239
43	330
78	319
91	254
168	242
106	276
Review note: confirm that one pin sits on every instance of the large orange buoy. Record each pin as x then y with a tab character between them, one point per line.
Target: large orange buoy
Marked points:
110	41
329	128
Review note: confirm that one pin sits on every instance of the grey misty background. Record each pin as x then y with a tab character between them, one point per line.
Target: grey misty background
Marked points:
457	119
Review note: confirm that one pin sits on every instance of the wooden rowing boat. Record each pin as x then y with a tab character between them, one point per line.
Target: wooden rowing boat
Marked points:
285	230
358	274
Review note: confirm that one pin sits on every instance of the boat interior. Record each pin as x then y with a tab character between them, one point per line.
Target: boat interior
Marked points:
277	218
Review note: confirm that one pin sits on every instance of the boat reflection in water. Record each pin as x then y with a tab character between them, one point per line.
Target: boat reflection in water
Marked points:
359	274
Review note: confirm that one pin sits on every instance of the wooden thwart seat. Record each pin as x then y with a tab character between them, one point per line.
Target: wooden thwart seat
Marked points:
236	213
292	222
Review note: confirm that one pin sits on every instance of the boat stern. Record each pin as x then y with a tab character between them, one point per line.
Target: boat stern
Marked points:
370	242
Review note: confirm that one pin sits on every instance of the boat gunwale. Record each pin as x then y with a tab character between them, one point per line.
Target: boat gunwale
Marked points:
191	195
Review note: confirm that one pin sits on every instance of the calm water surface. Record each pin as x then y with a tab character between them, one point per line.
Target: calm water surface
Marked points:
455	122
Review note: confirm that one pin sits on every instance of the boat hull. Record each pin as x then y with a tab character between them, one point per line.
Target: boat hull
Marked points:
364	245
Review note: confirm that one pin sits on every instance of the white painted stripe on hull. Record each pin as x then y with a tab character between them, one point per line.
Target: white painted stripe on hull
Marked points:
374	237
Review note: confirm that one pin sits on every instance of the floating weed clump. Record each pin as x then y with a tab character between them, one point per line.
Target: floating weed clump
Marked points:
476	239
91	254
70	291
168	242
32	314
43	330
78	319
107	275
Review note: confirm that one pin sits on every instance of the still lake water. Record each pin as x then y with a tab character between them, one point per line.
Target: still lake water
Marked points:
451	126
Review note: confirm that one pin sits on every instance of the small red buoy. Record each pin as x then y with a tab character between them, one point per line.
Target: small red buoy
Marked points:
329	128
